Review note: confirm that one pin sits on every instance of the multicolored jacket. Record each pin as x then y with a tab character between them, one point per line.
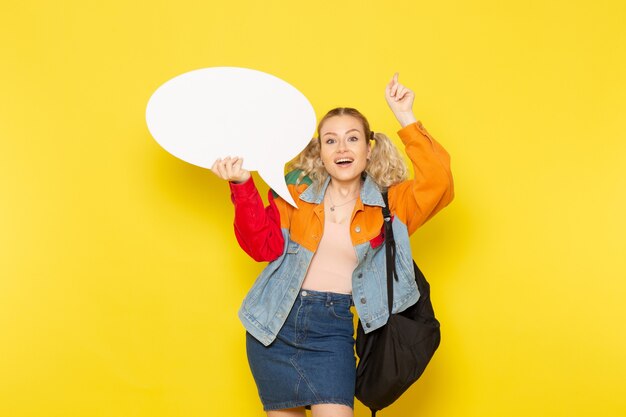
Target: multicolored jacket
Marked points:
287	237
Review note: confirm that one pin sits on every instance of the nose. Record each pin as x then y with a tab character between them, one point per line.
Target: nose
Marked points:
341	146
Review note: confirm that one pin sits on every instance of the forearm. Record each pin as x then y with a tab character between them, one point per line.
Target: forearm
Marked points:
431	187
257	228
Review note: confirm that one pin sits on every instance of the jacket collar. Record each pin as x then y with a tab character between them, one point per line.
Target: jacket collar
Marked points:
370	194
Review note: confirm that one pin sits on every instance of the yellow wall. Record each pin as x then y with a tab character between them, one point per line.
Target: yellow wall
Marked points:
120	276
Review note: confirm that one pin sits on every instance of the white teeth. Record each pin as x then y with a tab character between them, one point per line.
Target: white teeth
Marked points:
338	161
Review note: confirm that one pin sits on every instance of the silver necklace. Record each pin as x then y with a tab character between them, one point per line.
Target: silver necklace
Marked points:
332	203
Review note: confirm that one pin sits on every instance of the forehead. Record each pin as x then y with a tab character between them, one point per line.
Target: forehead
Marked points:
340	124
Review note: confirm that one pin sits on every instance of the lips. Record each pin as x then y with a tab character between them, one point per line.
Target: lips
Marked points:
344	161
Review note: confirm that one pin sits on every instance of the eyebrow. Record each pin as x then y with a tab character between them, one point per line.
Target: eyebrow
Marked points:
333	133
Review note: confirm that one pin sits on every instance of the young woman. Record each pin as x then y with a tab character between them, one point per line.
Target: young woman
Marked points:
328	254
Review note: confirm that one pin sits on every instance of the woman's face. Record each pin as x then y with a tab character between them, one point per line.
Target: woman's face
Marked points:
344	148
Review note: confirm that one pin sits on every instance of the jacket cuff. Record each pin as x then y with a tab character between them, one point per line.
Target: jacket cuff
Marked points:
243	190
410	132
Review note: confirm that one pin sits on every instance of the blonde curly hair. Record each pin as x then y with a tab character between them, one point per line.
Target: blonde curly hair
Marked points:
385	166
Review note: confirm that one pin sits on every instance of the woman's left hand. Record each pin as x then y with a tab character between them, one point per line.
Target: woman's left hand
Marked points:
400	100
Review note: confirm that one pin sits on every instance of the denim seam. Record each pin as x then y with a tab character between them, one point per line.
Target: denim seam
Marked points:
293	359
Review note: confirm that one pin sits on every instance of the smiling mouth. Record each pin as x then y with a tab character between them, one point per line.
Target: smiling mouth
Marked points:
344	161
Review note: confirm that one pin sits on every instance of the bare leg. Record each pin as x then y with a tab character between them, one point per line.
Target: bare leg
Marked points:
287	412
331	410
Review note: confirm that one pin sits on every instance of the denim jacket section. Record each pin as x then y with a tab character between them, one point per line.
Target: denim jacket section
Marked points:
273	294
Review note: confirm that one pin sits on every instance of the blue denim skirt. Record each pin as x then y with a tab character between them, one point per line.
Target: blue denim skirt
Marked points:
312	359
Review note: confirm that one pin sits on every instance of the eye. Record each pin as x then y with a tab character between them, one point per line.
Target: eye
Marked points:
353	138
330	141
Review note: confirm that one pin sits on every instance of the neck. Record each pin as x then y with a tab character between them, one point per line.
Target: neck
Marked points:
345	189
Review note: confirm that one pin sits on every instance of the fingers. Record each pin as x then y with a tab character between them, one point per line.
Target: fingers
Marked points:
215	169
402	92
231	170
227	168
395	90
219	169
394	85
237	165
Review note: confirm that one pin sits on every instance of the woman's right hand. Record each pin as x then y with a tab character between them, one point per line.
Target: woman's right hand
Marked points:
400	100
229	169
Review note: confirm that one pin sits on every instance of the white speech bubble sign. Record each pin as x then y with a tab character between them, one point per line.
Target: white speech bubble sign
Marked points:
211	113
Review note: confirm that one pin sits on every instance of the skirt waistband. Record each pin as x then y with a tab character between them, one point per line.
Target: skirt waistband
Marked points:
323	296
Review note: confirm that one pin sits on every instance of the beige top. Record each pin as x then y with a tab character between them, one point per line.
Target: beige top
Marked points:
332	265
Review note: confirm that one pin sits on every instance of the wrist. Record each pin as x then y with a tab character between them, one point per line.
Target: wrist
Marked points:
243	189
245	176
406	118
239	181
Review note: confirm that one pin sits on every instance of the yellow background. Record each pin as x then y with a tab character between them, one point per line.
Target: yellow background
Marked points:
121	277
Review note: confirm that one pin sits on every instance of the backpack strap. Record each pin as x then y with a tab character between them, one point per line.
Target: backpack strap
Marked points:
390	252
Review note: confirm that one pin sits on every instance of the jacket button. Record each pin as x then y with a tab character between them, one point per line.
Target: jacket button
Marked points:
357	229
363	300
368	325
360	275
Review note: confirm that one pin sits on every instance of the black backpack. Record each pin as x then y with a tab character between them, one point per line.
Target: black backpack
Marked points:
394	356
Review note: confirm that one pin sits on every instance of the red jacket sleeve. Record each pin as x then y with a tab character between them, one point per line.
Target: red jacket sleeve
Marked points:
257	228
